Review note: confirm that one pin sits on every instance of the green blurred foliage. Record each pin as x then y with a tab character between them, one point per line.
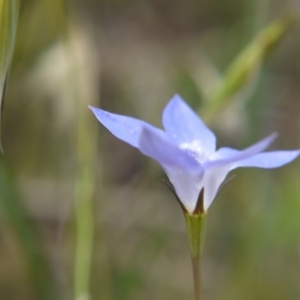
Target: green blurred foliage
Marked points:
130	57
246	66
9	12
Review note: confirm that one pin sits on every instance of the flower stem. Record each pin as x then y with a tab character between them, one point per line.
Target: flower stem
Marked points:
196	224
197	277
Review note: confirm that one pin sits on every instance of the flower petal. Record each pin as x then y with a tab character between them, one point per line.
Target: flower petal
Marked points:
156	144
184	172
183	125
268	160
186	185
214	175
228	155
212	180
221	163
125	128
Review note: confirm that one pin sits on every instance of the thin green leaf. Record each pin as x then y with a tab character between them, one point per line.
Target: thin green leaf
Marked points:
9	11
244	68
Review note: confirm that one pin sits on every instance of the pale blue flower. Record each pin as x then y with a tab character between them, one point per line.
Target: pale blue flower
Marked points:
186	150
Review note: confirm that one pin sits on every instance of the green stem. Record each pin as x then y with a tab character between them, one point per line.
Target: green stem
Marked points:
196	224
85	230
86	145
197	277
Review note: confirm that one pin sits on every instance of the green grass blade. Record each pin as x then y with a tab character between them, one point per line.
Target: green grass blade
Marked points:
244	68
9	11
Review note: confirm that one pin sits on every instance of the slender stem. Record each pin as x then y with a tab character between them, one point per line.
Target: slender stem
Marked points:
196	225
85	143
197	277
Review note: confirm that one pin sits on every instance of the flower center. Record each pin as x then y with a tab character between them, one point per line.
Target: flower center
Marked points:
195	149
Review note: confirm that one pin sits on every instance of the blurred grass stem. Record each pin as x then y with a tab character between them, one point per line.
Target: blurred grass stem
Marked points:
244	70
84	198
80	88
9	14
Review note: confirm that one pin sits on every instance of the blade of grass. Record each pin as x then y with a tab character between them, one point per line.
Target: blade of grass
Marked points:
86	145
9	12
246	65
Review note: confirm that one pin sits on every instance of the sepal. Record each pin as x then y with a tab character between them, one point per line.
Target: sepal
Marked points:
196	227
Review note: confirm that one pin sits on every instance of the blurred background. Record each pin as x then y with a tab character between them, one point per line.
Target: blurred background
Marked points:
85	216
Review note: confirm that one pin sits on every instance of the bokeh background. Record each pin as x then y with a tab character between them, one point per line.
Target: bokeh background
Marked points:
85	216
